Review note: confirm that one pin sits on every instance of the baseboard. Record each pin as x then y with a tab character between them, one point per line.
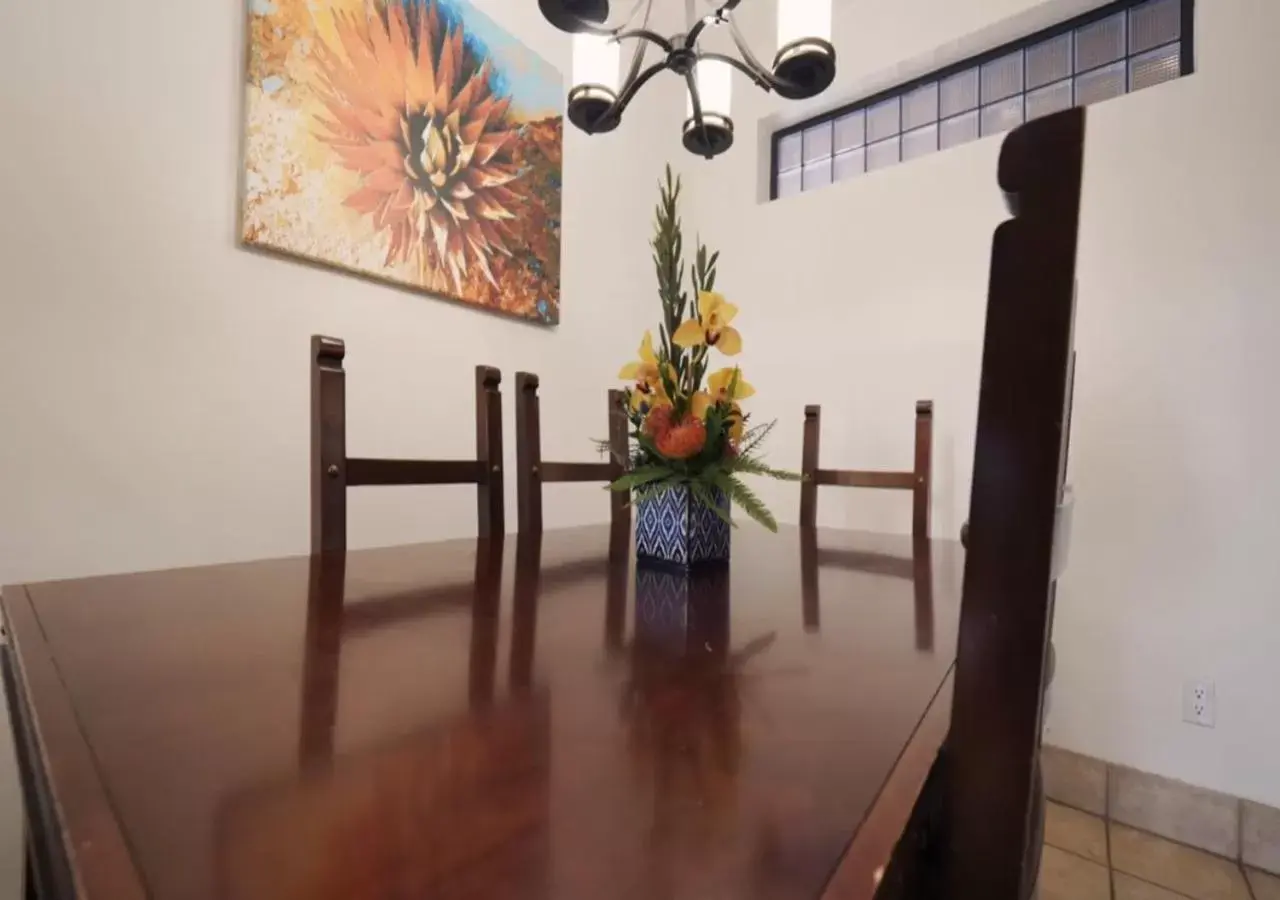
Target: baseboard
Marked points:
1228	826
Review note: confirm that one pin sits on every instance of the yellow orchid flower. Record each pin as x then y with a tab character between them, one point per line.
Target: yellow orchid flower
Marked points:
727	385
646	397
712	326
646	369
649	392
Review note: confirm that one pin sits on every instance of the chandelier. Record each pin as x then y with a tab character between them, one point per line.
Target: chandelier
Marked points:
804	66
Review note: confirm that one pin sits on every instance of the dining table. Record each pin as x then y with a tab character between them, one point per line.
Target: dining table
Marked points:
539	716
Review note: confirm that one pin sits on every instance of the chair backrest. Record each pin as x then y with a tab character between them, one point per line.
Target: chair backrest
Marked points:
918	480
1018	474
532	472
332	471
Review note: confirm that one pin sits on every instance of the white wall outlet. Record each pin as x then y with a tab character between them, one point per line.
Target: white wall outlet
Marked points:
1199	703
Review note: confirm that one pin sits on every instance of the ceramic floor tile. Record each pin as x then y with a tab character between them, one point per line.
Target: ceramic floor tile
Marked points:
1065	876
1130	888
1081	833
1265	887
1199	875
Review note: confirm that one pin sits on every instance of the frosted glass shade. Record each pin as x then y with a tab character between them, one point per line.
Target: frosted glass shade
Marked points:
597	60
715	88
803	19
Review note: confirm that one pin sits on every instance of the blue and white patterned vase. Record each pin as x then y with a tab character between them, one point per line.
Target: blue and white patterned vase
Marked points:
676	529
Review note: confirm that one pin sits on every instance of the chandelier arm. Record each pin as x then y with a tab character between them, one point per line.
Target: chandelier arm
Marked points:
643	34
632	86
745	49
637	62
763	80
691	39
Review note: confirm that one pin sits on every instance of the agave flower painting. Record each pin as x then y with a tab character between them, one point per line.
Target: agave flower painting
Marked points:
413	141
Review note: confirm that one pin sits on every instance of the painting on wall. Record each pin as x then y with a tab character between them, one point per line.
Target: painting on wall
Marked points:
412	141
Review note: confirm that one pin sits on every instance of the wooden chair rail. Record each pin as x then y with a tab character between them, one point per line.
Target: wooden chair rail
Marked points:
370	472
898	481
563	473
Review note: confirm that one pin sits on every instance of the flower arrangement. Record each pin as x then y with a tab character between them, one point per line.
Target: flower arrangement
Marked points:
688	427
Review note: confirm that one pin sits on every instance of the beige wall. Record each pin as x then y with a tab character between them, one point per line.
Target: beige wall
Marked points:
870	294
154	376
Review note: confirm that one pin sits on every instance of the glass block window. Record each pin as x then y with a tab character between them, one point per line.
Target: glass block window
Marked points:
1125	46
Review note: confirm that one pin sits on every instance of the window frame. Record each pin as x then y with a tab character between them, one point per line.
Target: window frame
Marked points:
1186	61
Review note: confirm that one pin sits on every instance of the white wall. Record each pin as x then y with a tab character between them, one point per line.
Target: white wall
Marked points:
870	294
154	376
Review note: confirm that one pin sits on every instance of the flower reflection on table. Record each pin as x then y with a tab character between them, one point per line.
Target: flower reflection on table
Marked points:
683	701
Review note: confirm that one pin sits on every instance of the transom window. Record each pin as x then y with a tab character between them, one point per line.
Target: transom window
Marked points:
1122	47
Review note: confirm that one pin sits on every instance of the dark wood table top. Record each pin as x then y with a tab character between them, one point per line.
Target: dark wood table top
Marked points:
473	720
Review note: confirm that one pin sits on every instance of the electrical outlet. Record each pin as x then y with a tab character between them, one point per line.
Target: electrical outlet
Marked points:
1199	703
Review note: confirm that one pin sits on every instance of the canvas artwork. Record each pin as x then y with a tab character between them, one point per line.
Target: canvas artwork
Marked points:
413	141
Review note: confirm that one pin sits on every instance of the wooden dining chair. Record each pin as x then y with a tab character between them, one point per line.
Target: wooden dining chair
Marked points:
995	800
918	480
332	471
532	473
978	826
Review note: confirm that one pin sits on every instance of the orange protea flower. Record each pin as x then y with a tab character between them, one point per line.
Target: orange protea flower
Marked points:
658	422
413	111
684	440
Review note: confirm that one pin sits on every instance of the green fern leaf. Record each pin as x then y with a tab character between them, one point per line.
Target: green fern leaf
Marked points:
755	436
746	498
640	477
746	465
706	495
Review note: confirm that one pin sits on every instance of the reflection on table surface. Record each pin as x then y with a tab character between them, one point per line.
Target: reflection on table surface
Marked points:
532	718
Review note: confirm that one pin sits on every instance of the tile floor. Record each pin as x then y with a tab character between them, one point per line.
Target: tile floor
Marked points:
1089	858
